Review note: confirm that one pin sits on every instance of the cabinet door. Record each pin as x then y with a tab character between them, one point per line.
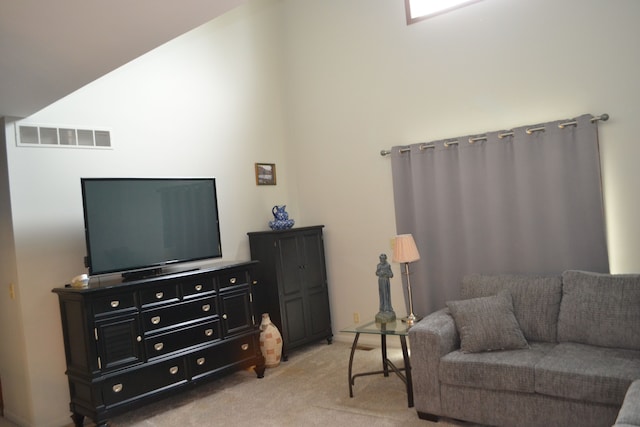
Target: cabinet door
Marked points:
290	265
316	297
236	311
302	289
119	342
290	289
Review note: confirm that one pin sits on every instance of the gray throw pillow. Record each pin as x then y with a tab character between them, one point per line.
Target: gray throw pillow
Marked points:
487	323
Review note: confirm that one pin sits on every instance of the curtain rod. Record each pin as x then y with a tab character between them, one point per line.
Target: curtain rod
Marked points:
603	117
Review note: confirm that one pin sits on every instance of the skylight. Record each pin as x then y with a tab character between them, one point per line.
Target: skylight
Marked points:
418	10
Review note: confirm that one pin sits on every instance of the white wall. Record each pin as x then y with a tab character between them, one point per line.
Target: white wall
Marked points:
320	88
206	104
360	80
12	342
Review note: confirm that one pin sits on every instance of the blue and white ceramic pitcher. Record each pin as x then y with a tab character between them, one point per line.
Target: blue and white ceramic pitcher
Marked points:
281	218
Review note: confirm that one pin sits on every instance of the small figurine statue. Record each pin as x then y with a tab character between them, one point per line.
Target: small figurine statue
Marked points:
384	273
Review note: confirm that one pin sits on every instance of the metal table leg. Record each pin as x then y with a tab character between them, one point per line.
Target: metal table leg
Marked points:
353	350
407	370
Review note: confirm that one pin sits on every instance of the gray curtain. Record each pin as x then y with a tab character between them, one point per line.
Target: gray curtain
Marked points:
517	201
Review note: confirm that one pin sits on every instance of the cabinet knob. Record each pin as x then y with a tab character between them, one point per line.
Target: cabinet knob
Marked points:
198	287
117	388
159	295
244	347
200	361
158	346
206	307
155	320
208	332
233	280
138	338
115	303
224	316
173	370
255	282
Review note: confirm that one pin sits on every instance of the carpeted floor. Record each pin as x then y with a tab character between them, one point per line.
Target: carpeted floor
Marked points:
310	389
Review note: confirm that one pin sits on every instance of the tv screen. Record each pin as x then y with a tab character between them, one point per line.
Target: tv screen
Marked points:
139	223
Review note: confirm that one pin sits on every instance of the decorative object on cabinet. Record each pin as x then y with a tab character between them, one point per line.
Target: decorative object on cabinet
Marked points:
405	251
384	273
270	342
293	284
265	174
131	343
80	281
281	219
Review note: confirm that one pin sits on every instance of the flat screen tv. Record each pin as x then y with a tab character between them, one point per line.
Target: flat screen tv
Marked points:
135	226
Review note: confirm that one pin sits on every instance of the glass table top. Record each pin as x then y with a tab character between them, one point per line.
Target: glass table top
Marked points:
372	327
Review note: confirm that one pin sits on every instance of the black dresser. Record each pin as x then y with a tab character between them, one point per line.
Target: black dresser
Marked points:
131	343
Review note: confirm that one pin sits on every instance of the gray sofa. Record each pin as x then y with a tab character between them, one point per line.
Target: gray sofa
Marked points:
531	351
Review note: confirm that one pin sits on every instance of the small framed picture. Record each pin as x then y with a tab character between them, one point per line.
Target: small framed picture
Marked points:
265	174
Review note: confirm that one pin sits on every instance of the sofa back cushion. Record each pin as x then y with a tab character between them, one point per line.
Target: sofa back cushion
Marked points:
536	300
600	309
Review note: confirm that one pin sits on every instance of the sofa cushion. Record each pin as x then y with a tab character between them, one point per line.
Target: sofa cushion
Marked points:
588	373
536	300
487	323
600	309
510	370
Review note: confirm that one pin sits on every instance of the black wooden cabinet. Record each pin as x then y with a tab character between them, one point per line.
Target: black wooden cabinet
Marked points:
131	343
292	283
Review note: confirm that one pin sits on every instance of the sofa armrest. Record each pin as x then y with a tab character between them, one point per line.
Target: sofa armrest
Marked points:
430	339
629	414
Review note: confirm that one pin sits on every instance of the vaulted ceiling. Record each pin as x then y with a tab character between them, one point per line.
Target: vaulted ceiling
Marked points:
49	49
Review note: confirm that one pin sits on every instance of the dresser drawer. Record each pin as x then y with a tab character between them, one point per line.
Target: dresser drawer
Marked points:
197	287
159	294
223	355
122	388
233	278
115	303
183	338
181	314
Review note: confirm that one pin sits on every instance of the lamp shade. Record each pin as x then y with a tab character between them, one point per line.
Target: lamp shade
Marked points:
404	249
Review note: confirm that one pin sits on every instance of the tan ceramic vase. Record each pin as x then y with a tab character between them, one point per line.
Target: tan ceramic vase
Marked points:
270	342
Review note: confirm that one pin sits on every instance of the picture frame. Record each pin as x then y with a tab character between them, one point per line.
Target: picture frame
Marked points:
265	174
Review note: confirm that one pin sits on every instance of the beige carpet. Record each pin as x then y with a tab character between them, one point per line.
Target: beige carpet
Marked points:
310	389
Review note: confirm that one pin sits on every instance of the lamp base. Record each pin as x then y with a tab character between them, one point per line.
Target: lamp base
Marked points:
411	319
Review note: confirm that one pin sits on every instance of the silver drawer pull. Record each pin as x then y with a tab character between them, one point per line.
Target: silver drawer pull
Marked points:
117	388
139	338
224	316
255	282
198	288
245	347
208	332
159	295
115	303
173	370
206	307
232	280
159	346
200	361
155	320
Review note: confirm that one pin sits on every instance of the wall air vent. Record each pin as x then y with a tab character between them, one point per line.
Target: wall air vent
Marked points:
33	135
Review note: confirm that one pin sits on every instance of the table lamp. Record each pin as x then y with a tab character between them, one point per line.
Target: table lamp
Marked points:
405	251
